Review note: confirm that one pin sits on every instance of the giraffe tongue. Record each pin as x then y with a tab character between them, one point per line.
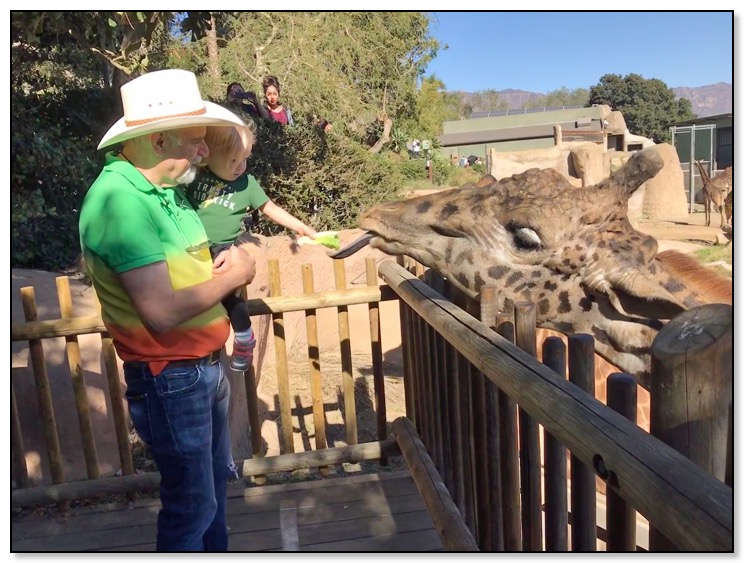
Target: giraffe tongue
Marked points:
353	247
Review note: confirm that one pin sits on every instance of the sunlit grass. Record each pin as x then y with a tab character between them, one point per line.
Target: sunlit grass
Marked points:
718	253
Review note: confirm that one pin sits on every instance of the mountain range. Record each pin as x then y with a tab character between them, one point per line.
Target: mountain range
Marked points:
712	99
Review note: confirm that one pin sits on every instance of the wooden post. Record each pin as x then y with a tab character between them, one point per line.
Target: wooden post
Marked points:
691	387
78	382
406	345
43	392
282	371
18	452
347	374
121	414
529	439
494	540
556	495
509	453
583	482
377	375
621	518
313	354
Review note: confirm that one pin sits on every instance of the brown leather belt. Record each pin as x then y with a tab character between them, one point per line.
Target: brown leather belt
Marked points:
209	359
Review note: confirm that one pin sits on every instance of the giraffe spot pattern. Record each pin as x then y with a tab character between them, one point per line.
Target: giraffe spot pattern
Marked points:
673	286
564	306
423	207
497	272
586	303
543	307
550	286
463	279
448	210
513	278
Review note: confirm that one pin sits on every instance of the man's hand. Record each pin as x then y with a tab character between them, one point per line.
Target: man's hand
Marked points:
221	263
242	264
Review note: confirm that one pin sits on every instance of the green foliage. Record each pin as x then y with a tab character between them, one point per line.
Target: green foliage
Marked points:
325	180
648	105
561	97
55	111
354	69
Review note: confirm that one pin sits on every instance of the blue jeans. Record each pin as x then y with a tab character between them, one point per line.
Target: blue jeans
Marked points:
181	414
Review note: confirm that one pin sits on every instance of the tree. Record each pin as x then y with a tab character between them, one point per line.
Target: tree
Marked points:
561	97
648	105
356	69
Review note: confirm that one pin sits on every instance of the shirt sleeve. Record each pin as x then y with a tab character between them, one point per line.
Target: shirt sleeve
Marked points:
257	195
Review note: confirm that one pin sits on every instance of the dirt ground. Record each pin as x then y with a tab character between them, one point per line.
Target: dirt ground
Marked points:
685	234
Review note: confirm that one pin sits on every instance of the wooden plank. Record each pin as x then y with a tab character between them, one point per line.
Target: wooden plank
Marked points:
78	381
43	392
18	452
313	355
556	496
353	508
493	539
583	483
509	452
288	525
260	306
421	540
363	528
347	374
529	439
282	371
319	458
447	519
686	503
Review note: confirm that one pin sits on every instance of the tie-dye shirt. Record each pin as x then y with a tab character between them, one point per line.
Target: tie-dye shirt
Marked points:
127	223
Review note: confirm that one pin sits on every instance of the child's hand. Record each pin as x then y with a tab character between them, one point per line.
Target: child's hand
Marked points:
307	231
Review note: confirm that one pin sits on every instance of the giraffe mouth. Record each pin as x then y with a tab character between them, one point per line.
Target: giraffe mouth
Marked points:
352	247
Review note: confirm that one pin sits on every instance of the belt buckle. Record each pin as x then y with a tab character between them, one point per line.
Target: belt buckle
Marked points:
214	357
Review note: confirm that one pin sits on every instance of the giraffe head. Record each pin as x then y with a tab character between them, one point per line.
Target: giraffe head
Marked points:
571	251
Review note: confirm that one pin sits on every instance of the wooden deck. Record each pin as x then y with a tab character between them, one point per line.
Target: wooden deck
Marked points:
377	512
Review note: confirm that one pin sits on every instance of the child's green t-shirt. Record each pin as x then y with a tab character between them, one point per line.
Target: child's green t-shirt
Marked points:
222	205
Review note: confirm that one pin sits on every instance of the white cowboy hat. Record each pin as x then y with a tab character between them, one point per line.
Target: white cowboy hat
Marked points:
163	100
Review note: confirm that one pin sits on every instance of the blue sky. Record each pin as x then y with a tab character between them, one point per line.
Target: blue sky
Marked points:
543	51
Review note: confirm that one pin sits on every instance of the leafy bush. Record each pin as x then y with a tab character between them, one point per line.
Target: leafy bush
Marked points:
324	179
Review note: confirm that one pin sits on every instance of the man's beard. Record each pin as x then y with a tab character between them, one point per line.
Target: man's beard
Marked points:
187	177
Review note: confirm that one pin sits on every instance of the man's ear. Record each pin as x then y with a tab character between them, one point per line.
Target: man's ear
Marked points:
157	142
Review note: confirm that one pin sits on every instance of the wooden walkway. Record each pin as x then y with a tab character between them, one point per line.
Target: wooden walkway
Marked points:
377	512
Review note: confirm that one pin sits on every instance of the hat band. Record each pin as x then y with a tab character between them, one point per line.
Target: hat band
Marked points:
152	119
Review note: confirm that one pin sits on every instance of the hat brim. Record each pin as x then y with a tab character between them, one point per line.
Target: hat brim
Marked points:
215	115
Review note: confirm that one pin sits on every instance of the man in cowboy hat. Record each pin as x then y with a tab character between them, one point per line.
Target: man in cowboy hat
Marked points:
148	256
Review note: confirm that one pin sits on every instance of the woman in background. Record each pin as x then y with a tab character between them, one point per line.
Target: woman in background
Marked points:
277	111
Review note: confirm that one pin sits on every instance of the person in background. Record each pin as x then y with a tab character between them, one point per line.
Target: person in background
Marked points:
148	256
224	195
277	111
238	100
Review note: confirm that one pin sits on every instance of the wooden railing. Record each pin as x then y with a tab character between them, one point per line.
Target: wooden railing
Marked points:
61	490
471	392
478	403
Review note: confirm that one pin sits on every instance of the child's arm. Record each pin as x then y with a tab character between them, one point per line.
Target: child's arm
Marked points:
286	219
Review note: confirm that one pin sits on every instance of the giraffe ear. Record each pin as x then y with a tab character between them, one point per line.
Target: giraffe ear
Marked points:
639	296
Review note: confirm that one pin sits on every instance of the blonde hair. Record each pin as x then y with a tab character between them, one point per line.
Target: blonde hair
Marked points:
228	141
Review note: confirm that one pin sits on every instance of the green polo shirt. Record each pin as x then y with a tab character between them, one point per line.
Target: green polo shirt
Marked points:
222	205
127	223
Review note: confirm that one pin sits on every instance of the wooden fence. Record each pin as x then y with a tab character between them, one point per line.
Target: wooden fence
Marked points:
478	405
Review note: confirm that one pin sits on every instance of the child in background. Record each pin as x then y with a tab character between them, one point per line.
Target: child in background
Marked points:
223	194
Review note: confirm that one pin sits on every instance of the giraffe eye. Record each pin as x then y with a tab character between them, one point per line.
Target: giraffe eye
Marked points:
446	231
526	239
